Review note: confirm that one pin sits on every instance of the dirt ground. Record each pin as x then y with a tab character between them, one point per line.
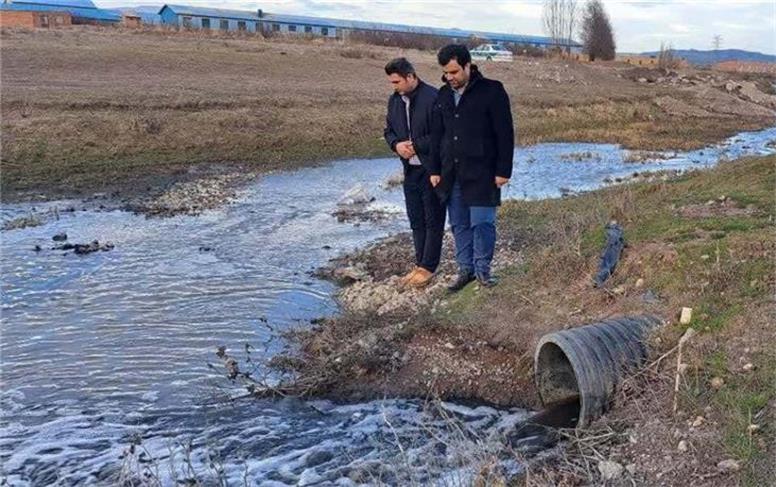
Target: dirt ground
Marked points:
129	114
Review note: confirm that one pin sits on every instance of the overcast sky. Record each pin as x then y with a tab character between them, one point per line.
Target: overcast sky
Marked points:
639	25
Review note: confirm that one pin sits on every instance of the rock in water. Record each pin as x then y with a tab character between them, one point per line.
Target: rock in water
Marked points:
60	237
95	246
349	274
83	249
357	195
393	180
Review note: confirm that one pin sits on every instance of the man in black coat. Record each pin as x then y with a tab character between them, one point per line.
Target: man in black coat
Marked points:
473	145
408	133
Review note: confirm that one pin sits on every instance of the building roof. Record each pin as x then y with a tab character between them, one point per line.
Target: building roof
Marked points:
359	25
84	9
55	3
411	29
212	12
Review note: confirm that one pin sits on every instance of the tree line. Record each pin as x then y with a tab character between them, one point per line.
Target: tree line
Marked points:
560	19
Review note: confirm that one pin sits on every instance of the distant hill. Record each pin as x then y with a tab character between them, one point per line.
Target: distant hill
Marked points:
694	56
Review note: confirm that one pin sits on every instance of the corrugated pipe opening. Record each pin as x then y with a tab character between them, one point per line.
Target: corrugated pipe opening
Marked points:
578	370
557	381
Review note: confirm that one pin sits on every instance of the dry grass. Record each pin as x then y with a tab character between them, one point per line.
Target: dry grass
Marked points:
719	262
81	108
90	109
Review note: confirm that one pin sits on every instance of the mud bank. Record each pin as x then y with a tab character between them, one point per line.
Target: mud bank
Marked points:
189	192
388	340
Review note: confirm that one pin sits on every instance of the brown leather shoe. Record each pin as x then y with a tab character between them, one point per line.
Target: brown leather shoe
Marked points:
421	278
408	277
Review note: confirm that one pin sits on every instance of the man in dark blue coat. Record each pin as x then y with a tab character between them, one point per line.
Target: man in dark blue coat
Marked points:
408	133
473	143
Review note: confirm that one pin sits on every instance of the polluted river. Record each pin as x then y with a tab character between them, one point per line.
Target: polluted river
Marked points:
104	351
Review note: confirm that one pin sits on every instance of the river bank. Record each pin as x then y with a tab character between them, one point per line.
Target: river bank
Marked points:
701	240
157	121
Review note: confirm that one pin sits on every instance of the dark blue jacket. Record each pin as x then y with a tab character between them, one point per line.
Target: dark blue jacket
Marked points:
421	109
473	142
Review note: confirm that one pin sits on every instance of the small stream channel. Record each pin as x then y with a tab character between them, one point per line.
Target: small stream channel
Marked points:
100	349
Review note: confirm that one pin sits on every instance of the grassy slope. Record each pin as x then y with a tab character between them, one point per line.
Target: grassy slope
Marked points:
716	258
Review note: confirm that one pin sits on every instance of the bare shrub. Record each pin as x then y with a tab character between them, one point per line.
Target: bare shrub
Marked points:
667	58
357	53
26	109
406	40
177	466
23	222
173	30
152	126
146	125
527	50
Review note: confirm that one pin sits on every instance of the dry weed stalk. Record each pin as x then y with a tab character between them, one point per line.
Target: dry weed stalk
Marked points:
680	367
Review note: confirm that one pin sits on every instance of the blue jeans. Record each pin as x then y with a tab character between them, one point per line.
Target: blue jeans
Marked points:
474	231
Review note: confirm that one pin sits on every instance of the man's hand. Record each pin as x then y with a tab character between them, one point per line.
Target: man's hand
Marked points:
405	149
435	180
501	181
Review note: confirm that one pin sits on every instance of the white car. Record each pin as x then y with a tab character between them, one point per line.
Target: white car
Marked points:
492	52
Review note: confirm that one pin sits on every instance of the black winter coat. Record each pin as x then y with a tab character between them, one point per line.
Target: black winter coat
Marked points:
421	110
473	142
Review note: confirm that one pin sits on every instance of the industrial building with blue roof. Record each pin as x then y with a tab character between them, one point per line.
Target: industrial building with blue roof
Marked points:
81	11
209	18
188	17
256	21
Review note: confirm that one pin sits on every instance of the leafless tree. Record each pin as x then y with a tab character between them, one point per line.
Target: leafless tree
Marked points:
571	22
667	58
596	32
559	19
551	18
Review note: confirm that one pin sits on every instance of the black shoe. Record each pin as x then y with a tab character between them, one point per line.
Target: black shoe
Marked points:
486	280
464	278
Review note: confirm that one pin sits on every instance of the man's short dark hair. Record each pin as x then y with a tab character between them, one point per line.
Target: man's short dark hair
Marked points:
400	66
459	52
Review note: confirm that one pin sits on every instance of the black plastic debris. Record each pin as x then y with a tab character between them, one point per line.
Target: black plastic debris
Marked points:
615	242
82	249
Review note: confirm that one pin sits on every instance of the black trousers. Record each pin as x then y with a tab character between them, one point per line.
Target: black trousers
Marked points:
427	217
